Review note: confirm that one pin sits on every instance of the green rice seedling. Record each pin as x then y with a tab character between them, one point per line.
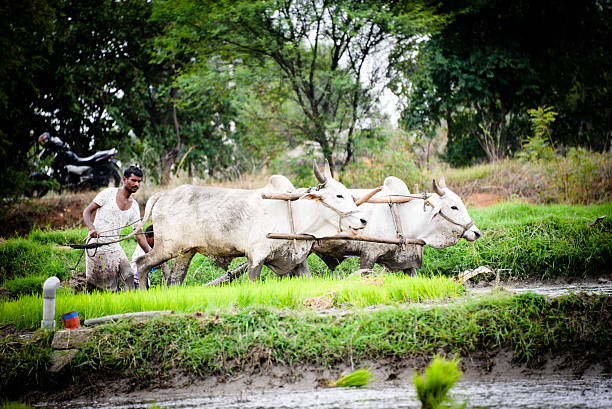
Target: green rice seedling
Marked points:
433	385
15	405
357	379
278	293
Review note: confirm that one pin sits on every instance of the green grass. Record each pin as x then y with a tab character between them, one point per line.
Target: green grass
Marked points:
532	242
229	342
26	312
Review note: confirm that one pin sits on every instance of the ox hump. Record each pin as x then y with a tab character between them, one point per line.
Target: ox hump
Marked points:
395	185
279	184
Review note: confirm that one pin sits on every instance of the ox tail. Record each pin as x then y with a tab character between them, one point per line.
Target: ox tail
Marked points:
147	214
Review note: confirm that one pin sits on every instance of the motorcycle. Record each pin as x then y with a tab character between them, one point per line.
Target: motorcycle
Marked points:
71	171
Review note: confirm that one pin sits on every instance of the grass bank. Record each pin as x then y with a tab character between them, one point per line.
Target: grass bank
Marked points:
231	342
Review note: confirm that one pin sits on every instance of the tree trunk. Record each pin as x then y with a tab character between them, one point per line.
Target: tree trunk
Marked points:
169	158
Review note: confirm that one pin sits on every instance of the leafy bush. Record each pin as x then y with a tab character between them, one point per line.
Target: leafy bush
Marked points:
372	172
539	145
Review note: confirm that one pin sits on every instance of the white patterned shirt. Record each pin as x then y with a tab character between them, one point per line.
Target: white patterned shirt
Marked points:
110	220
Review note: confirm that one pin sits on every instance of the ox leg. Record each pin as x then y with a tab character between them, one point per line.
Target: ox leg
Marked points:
145	263
366	263
410	271
221	262
301	270
331	262
254	269
180	265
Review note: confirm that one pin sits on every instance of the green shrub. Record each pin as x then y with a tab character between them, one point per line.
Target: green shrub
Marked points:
371	173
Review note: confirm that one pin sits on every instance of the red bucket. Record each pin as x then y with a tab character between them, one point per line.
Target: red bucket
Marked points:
71	320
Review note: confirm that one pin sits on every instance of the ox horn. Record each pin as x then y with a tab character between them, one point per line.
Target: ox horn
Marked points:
437	188
317	172
367	196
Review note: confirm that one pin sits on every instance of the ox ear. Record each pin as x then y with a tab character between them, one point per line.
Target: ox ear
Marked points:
311	196
442	183
317	172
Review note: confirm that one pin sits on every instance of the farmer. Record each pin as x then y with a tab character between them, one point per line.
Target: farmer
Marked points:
108	265
150	237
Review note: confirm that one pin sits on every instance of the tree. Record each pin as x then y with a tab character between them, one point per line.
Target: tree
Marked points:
25	43
330	54
494	60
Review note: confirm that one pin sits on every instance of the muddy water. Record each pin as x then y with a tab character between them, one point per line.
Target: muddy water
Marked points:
550	290
541	393
558	290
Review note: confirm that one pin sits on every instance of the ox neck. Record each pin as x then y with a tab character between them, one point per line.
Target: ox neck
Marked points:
312	224
414	220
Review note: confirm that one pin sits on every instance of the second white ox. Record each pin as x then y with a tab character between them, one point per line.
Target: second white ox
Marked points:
227	223
440	221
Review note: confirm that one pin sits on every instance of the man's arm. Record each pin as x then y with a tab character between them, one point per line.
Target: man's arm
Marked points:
142	241
87	218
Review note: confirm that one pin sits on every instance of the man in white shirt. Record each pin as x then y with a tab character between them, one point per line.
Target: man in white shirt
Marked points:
108	265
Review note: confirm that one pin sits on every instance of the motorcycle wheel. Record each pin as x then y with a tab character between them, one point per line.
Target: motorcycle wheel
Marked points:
37	191
110	177
38	187
115	176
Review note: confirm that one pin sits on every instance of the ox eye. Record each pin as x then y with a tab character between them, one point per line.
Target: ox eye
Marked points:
340	196
454	208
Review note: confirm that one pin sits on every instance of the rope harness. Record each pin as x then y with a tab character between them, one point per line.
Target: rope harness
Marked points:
339	212
425	197
465	227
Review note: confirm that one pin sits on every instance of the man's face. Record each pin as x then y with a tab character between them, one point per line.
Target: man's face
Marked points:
132	183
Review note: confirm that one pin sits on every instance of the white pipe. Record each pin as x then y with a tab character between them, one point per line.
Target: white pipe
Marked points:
49	288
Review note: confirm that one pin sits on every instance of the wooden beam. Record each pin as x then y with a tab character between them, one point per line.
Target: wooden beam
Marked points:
284	236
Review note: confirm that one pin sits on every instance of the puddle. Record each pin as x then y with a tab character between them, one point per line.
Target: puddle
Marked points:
541	393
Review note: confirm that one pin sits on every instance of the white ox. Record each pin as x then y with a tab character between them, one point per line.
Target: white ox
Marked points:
440	221
227	223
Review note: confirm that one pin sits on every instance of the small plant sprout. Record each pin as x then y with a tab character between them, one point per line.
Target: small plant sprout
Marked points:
359	378
433	386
